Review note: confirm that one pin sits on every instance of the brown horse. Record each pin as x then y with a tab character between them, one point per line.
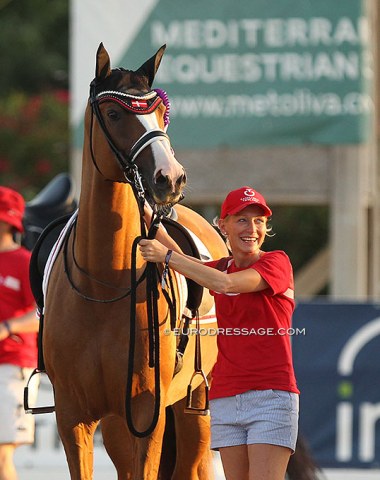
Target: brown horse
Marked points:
100	367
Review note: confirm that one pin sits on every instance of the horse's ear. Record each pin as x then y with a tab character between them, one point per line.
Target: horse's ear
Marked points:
103	63
150	67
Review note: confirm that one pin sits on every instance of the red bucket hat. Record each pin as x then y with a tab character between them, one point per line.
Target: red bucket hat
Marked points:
12	207
238	199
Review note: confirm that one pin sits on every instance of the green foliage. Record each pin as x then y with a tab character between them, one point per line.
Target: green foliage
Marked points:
34	131
34	140
34	45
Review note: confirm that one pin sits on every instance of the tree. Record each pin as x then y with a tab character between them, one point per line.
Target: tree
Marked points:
34	131
34	38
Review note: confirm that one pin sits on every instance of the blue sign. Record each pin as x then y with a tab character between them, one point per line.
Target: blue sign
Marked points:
337	364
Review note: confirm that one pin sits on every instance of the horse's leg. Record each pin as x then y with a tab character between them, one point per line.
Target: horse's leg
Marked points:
194	457
117	442
147	452
76	430
168	453
134	458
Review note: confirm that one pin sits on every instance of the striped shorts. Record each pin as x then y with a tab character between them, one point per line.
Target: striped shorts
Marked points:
256	416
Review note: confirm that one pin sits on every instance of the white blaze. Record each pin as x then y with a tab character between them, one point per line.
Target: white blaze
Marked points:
164	159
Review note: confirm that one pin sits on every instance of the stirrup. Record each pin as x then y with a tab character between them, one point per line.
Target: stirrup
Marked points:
35	410
195	410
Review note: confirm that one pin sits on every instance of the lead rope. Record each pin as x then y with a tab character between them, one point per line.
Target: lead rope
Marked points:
154	344
153	327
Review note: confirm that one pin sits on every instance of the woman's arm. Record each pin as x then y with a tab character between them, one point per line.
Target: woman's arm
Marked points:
27	323
248	280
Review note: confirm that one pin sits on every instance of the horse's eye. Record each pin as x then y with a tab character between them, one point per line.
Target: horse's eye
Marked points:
113	115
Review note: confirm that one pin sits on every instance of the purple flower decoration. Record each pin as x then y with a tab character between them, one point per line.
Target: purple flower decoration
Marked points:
164	96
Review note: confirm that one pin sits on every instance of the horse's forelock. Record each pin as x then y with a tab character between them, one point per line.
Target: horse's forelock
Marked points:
111	82
123	80
139	82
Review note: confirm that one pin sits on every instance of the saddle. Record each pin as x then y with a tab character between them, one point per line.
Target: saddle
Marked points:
54	201
187	244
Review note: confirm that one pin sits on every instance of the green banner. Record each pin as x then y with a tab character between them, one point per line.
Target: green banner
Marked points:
258	72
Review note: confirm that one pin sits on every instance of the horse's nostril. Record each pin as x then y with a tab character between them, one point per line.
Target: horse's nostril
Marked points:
181	180
161	179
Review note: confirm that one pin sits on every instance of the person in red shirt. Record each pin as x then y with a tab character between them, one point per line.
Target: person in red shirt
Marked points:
18	333
254	395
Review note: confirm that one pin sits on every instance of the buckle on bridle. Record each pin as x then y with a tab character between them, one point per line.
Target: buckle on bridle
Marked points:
136	180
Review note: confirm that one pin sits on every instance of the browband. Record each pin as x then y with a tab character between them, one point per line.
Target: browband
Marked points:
139	104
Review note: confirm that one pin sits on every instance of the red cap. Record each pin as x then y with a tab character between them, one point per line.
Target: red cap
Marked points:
241	198
12	207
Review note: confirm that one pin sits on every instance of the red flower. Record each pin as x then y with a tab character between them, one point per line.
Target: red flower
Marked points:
33	107
4	164
43	166
62	96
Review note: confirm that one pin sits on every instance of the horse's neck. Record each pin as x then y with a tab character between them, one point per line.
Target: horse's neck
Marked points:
108	223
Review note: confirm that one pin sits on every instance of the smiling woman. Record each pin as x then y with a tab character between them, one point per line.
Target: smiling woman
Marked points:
254	395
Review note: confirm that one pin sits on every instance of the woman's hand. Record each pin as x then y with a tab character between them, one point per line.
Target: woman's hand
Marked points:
153	250
148	213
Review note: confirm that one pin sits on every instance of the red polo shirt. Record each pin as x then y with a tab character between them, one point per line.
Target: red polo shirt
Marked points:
16	299
254	351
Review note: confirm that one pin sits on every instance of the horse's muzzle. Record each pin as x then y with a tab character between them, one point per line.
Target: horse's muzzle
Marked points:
165	190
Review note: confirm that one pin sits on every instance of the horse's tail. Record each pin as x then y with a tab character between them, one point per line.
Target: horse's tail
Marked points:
302	465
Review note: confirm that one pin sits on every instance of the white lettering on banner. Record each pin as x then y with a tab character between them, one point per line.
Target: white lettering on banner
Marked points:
344	418
271	67
368	416
316	66
368	413
302	102
251	32
193	34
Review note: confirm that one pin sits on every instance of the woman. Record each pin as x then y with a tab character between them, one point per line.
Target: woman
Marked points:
254	396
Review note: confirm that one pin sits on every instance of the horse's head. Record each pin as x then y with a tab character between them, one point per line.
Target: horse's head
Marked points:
132	119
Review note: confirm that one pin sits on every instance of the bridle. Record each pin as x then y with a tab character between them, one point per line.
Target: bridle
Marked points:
143	104
138	104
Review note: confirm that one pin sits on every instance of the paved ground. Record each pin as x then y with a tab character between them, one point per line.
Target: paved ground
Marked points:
45	460
109	474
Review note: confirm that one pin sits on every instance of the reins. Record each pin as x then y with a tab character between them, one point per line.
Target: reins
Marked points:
150	273
88	298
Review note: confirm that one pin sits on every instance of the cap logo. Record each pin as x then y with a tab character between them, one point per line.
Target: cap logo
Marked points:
13	213
249	196
249	192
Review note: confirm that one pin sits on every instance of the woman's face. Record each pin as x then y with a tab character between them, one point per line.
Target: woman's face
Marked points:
246	230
